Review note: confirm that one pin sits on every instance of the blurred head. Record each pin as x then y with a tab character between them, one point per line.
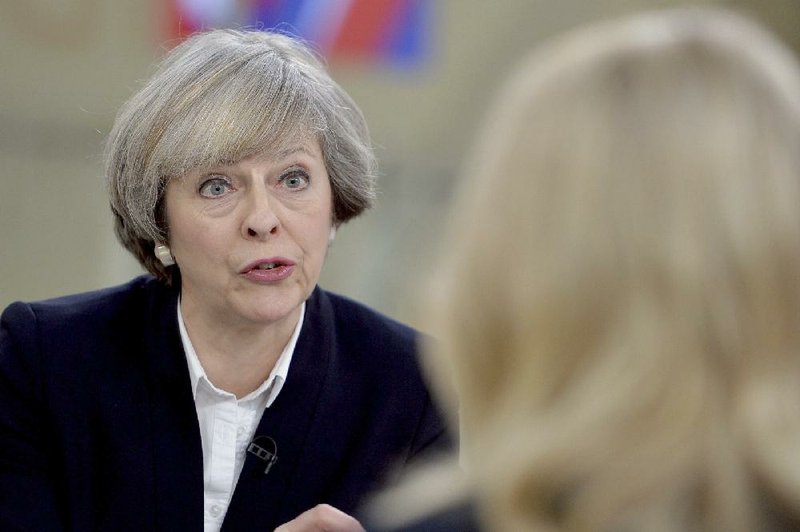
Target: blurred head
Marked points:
217	99
620	310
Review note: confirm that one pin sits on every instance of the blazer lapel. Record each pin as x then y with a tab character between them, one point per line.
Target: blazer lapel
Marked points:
259	499
177	449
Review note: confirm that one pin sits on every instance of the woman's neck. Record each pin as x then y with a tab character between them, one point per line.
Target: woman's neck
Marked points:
237	358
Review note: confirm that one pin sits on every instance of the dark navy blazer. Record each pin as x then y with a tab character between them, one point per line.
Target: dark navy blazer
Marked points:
98	427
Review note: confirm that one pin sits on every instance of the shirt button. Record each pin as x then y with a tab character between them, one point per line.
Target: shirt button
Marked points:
215	510
240	431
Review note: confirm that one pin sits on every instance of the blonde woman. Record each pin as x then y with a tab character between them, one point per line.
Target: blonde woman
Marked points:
620	312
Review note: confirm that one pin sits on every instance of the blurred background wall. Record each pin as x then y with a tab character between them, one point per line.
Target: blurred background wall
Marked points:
67	65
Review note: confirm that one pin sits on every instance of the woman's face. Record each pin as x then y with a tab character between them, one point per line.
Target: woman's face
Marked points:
250	238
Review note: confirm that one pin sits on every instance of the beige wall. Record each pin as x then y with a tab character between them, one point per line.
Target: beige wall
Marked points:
68	64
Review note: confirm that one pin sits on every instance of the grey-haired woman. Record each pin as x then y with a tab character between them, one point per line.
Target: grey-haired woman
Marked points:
223	390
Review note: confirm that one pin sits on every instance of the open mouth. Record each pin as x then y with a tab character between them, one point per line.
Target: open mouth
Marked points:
269	270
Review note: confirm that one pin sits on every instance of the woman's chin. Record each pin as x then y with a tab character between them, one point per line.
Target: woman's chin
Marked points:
269	310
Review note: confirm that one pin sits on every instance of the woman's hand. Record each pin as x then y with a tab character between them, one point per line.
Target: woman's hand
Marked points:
322	517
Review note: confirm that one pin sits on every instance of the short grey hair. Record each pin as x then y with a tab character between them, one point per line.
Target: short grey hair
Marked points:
218	98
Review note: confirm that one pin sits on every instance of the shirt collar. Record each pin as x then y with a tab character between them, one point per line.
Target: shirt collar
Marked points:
273	383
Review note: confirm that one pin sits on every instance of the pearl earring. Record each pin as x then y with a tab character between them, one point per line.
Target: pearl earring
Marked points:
332	235
164	254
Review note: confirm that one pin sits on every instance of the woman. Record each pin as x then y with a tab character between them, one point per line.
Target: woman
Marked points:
620	303
224	389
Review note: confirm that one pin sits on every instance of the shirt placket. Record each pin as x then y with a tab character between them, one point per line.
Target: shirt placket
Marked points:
223	459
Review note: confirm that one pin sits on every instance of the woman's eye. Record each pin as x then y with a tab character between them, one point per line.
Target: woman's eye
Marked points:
295	179
214	188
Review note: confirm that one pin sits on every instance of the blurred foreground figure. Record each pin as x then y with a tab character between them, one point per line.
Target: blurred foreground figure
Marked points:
620	313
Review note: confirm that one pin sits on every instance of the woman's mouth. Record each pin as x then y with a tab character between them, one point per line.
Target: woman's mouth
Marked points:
270	270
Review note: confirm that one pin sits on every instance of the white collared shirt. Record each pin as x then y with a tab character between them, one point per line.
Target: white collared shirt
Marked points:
227	424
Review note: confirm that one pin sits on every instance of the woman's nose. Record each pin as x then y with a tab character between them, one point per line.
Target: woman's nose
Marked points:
261	220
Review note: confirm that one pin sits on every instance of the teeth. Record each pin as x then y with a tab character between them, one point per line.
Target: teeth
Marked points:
267	266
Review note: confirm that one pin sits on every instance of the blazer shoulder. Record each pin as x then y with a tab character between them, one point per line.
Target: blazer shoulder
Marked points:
88	318
366	341
86	305
385	355
360	321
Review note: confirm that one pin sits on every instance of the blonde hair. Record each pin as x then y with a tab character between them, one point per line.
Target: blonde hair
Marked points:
220	97
619	308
